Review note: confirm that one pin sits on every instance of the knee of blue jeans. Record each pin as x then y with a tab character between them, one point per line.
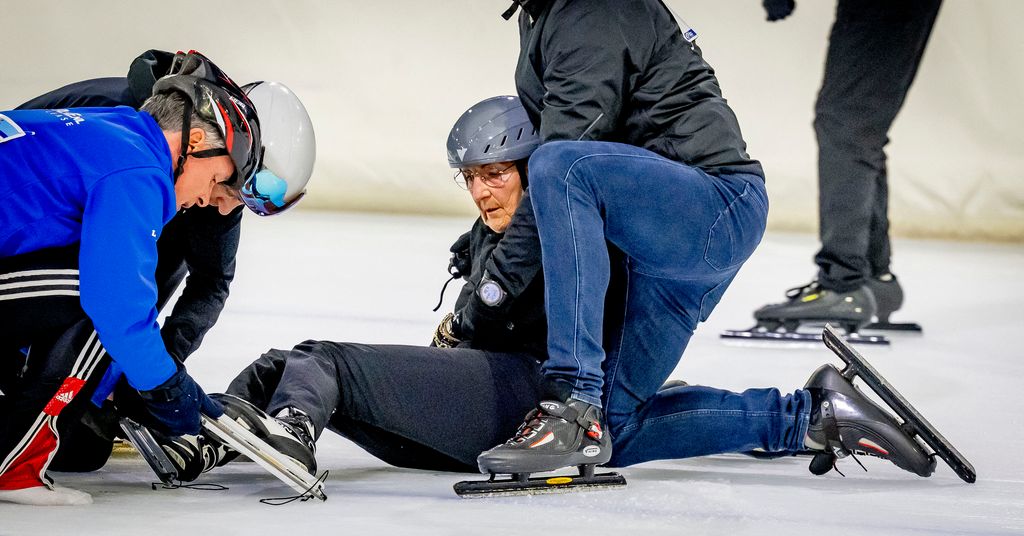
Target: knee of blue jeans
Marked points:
550	163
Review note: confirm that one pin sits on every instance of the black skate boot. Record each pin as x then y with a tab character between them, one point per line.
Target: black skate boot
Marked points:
178	459
191	455
913	422
889	298
553	436
290	433
815	305
844	422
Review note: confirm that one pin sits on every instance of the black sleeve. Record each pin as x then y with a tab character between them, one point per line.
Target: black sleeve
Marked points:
87	93
586	59
209	242
513	262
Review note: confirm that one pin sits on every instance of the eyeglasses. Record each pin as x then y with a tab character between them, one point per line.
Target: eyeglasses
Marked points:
495	178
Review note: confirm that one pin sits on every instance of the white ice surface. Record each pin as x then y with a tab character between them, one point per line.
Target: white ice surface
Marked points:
375	278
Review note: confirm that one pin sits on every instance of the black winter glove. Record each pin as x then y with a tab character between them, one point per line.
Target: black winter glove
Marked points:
176	404
778	9
460	264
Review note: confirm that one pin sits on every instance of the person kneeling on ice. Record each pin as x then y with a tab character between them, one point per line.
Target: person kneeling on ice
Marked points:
439	407
200	242
88	193
647	205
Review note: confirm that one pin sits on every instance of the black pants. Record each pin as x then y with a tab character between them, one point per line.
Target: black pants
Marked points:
410	406
874	51
52	322
52	359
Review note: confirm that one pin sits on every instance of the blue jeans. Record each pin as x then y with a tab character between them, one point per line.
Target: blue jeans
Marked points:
675	238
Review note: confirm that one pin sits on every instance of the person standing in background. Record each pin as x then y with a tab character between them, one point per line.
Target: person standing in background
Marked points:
875	49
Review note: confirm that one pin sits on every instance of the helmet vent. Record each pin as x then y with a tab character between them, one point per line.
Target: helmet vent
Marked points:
487	149
503	140
520	135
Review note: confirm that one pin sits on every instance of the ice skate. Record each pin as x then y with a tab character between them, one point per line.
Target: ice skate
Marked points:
284	447
813	305
286	440
889	298
553	436
844	422
290	433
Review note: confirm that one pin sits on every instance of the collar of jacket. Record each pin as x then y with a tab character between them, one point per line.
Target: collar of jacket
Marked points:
145	70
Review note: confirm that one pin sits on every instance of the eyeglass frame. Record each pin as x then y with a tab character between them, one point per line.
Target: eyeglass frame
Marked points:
497	179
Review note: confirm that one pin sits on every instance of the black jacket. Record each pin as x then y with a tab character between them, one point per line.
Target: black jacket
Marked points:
200	242
627	60
518	323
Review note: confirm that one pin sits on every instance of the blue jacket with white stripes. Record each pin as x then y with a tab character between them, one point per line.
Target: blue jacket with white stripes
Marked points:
101	177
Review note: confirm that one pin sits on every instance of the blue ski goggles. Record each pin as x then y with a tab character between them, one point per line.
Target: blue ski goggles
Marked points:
264	194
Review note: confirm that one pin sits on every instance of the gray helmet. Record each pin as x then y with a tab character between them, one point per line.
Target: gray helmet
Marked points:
493	130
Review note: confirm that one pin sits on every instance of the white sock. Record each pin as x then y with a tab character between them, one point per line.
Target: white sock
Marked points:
43	496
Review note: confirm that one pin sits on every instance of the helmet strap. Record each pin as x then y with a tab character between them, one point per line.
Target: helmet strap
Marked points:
210	153
186	128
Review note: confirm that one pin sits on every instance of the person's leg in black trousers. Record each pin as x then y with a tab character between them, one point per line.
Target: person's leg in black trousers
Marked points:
875	48
410	406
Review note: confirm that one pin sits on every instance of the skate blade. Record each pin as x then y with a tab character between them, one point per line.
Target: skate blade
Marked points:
257	450
477	489
913	422
151	451
908	327
755	334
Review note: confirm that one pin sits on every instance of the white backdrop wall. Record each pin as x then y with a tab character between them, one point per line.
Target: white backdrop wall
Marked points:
385	80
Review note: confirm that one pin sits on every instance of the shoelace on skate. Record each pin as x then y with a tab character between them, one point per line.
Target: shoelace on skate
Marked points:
796	292
534	416
302	497
181	485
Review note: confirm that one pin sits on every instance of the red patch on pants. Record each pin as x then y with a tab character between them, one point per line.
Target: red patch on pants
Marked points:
27	469
64	396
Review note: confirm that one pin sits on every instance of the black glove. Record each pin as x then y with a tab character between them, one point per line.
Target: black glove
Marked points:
175	404
778	9
460	264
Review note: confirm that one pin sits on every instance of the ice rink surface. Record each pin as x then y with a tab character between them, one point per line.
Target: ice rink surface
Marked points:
375	278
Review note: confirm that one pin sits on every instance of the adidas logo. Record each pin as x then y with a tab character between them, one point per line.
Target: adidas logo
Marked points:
65	396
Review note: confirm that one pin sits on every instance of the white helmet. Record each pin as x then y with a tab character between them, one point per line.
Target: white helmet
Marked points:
289	147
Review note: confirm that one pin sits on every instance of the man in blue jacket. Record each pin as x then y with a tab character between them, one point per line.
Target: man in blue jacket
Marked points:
87	193
200	242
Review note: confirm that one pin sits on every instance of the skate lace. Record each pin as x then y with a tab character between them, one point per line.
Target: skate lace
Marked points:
178	484
531	422
796	292
302	497
299	426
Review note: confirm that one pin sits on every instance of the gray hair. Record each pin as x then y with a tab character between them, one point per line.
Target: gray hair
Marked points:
168	109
